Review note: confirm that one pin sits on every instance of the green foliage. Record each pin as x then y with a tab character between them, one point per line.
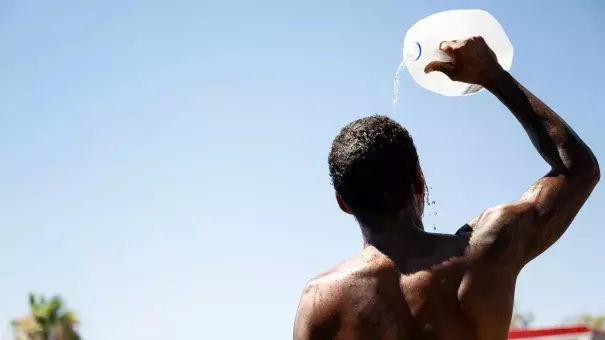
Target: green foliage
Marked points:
48	319
586	319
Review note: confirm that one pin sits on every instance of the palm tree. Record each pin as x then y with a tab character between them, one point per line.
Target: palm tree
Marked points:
47	320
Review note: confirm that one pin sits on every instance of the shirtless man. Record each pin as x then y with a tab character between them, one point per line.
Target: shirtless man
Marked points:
410	284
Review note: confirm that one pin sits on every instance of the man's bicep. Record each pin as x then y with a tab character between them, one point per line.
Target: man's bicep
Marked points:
515	234
496	234
555	201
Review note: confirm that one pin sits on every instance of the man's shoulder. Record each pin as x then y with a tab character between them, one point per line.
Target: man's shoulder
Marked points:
337	275
320	305
328	295
361	270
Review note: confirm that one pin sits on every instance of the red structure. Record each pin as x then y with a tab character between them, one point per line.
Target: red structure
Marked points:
558	333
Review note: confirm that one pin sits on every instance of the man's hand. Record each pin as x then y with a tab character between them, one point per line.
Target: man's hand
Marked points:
472	61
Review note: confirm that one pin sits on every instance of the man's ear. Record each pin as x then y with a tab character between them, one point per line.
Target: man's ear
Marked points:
419	190
343	206
419	183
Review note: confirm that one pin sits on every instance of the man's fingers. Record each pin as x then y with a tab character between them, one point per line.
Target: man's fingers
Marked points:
446	68
440	66
448	47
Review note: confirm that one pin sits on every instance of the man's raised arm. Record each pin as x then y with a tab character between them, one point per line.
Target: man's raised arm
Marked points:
514	234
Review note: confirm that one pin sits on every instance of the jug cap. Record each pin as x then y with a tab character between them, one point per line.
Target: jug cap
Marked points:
412	51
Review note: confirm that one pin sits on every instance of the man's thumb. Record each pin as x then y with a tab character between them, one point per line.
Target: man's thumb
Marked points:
440	66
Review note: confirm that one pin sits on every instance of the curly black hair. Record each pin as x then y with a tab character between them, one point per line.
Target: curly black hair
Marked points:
373	164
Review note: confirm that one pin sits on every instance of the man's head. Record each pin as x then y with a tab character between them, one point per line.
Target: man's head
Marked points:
374	169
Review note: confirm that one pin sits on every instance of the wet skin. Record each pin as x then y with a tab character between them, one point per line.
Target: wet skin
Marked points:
409	284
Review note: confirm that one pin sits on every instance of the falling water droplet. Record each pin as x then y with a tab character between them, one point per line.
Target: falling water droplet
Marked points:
396	83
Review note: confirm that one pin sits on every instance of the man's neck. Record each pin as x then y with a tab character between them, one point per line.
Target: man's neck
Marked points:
393	234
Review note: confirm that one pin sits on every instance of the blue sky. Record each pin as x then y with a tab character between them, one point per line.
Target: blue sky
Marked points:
164	164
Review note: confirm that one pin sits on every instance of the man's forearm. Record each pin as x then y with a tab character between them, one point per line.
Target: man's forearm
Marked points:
553	138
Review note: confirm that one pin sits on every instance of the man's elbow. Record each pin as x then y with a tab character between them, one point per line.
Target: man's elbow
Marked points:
594	173
587	171
590	177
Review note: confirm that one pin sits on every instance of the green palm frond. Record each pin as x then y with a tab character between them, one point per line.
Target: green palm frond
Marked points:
70	318
48	318
32	300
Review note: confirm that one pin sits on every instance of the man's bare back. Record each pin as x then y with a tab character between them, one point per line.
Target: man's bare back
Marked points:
409	284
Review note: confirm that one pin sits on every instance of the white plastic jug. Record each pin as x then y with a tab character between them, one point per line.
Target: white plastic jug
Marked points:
421	46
